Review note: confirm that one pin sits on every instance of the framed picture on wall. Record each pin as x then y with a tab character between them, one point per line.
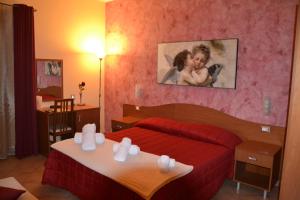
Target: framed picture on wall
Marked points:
52	67
49	78
210	63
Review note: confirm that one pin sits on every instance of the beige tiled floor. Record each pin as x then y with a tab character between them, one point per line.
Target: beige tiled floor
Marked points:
29	172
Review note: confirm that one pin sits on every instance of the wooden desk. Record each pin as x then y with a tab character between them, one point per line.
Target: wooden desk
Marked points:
83	115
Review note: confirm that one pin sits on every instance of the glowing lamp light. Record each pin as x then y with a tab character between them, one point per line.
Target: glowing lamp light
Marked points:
100	53
93	45
115	44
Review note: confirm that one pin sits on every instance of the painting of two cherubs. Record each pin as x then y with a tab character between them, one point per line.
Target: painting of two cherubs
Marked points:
209	63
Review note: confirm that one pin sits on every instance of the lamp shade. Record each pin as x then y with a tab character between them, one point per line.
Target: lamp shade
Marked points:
100	54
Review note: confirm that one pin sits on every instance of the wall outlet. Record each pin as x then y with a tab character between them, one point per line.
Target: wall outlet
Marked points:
137	107
138	91
265	129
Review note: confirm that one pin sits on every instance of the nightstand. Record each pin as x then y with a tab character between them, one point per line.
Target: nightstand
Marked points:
123	123
257	164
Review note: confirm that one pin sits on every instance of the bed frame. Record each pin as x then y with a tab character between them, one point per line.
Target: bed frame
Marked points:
246	130
55	91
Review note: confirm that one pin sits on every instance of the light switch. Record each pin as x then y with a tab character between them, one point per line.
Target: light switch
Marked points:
267	104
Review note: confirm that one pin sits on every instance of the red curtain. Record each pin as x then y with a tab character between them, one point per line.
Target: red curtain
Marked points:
24	79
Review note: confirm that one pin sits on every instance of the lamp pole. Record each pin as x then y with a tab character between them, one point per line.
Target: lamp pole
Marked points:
100	59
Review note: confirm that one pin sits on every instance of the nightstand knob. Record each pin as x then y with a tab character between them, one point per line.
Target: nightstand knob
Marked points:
252	158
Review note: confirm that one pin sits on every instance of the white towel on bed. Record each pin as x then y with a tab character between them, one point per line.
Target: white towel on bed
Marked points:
88	142
78	138
89	128
123	150
116	147
126	142
88	137
134	150
165	163
100	138
140	173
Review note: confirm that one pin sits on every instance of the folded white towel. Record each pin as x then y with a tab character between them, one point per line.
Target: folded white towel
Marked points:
88	141
126	141
89	128
172	163
100	138
121	150
116	147
122	153
78	138
134	150
165	163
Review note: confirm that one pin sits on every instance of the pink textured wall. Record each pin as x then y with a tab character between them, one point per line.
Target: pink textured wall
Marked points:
265	32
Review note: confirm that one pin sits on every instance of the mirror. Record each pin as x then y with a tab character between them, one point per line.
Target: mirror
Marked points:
49	79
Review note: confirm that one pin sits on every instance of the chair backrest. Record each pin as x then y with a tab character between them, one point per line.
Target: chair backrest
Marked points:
63	116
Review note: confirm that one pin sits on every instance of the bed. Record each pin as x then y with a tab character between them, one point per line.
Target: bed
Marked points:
209	148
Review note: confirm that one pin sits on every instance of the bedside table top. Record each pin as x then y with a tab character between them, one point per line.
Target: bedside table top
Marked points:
259	147
128	119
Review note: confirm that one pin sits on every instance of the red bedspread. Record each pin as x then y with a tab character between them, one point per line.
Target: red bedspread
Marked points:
212	165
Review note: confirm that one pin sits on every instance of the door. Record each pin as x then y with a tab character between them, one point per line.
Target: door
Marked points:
290	183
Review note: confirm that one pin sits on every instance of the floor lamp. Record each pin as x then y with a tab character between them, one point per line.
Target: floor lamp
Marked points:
100	70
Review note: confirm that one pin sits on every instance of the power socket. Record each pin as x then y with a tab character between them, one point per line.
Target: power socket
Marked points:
265	129
138	91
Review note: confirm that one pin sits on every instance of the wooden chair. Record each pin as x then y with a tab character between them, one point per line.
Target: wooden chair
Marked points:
62	121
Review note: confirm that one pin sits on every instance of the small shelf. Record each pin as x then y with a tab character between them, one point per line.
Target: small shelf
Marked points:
123	123
250	177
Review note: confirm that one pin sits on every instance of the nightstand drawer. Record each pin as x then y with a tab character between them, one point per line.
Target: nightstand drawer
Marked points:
254	158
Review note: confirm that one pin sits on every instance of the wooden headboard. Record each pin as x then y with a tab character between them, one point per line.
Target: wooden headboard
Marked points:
55	91
198	114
